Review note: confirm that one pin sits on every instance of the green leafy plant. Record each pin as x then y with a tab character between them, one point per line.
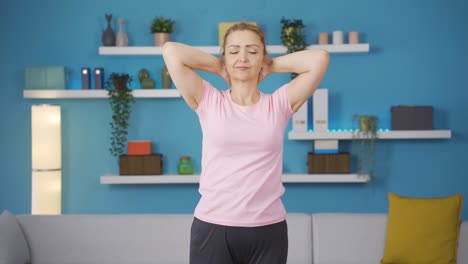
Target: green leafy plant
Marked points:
160	24
365	142
121	100
291	34
292	37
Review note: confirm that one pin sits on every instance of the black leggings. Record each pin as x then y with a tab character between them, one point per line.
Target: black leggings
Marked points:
218	244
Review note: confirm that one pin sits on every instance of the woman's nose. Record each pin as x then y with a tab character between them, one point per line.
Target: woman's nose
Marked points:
242	56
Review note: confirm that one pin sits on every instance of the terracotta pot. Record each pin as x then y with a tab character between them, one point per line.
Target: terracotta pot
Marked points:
160	38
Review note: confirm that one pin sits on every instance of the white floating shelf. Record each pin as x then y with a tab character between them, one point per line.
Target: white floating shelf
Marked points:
325	178
342	48
184	179
396	134
149	179
76	94
272	49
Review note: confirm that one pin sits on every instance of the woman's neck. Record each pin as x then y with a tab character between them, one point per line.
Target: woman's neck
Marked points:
245	93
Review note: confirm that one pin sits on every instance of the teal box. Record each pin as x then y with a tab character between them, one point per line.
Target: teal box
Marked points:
45	77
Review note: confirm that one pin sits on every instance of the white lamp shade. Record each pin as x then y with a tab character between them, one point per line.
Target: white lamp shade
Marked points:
46	137
46	192
46	159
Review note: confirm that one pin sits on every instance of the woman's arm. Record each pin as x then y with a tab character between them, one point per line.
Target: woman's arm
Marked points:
311	66
182	61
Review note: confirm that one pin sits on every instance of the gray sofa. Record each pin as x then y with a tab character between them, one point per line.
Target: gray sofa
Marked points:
339	238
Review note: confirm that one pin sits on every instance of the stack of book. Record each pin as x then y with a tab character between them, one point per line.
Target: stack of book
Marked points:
140	160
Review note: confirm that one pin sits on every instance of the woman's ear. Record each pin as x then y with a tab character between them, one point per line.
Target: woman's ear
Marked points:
267	60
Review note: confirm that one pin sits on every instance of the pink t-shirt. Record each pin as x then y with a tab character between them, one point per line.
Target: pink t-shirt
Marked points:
242	158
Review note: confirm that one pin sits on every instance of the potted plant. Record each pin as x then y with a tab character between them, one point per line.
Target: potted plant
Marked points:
161	28
365	142
292	37
121	100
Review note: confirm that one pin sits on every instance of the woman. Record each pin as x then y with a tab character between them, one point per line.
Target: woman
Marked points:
240	217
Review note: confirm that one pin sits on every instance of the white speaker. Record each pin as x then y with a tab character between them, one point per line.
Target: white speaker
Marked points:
300	119
320	110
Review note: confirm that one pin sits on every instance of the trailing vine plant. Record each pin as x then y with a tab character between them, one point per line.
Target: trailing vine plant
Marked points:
121	100
365	141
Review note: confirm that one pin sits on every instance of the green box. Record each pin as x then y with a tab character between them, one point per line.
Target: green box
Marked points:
45	77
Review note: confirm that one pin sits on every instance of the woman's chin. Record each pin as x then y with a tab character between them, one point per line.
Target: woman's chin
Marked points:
243	77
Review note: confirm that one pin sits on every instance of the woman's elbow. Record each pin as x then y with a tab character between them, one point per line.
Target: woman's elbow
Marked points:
324	57
167	47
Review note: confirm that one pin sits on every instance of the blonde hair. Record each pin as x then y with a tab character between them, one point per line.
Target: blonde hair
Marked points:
245	26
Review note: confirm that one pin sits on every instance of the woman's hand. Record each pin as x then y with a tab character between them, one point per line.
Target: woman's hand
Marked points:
266	68
224	73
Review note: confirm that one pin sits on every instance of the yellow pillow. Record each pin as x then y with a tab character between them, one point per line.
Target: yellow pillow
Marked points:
422	230
224	26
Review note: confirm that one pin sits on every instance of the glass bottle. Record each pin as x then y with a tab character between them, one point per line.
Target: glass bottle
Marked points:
185	165
166	78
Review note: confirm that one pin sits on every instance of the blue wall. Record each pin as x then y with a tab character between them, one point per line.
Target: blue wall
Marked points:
418	56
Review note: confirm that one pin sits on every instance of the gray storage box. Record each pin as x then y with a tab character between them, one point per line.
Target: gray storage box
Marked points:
45	77
412	117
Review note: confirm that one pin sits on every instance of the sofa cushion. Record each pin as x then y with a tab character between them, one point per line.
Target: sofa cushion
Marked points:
136	239
108	239
13	245
348	238
299	238
422	230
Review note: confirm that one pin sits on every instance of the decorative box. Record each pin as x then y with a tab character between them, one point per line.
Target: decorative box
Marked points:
327	146
224	26
412	117
328	163
139	147
45	77
141	165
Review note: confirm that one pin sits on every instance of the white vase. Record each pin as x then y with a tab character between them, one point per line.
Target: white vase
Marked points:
337	37
122	39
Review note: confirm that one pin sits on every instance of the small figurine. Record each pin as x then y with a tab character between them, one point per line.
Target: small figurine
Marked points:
145	81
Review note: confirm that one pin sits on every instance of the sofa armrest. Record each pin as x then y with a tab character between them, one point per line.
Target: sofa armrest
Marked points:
463	244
